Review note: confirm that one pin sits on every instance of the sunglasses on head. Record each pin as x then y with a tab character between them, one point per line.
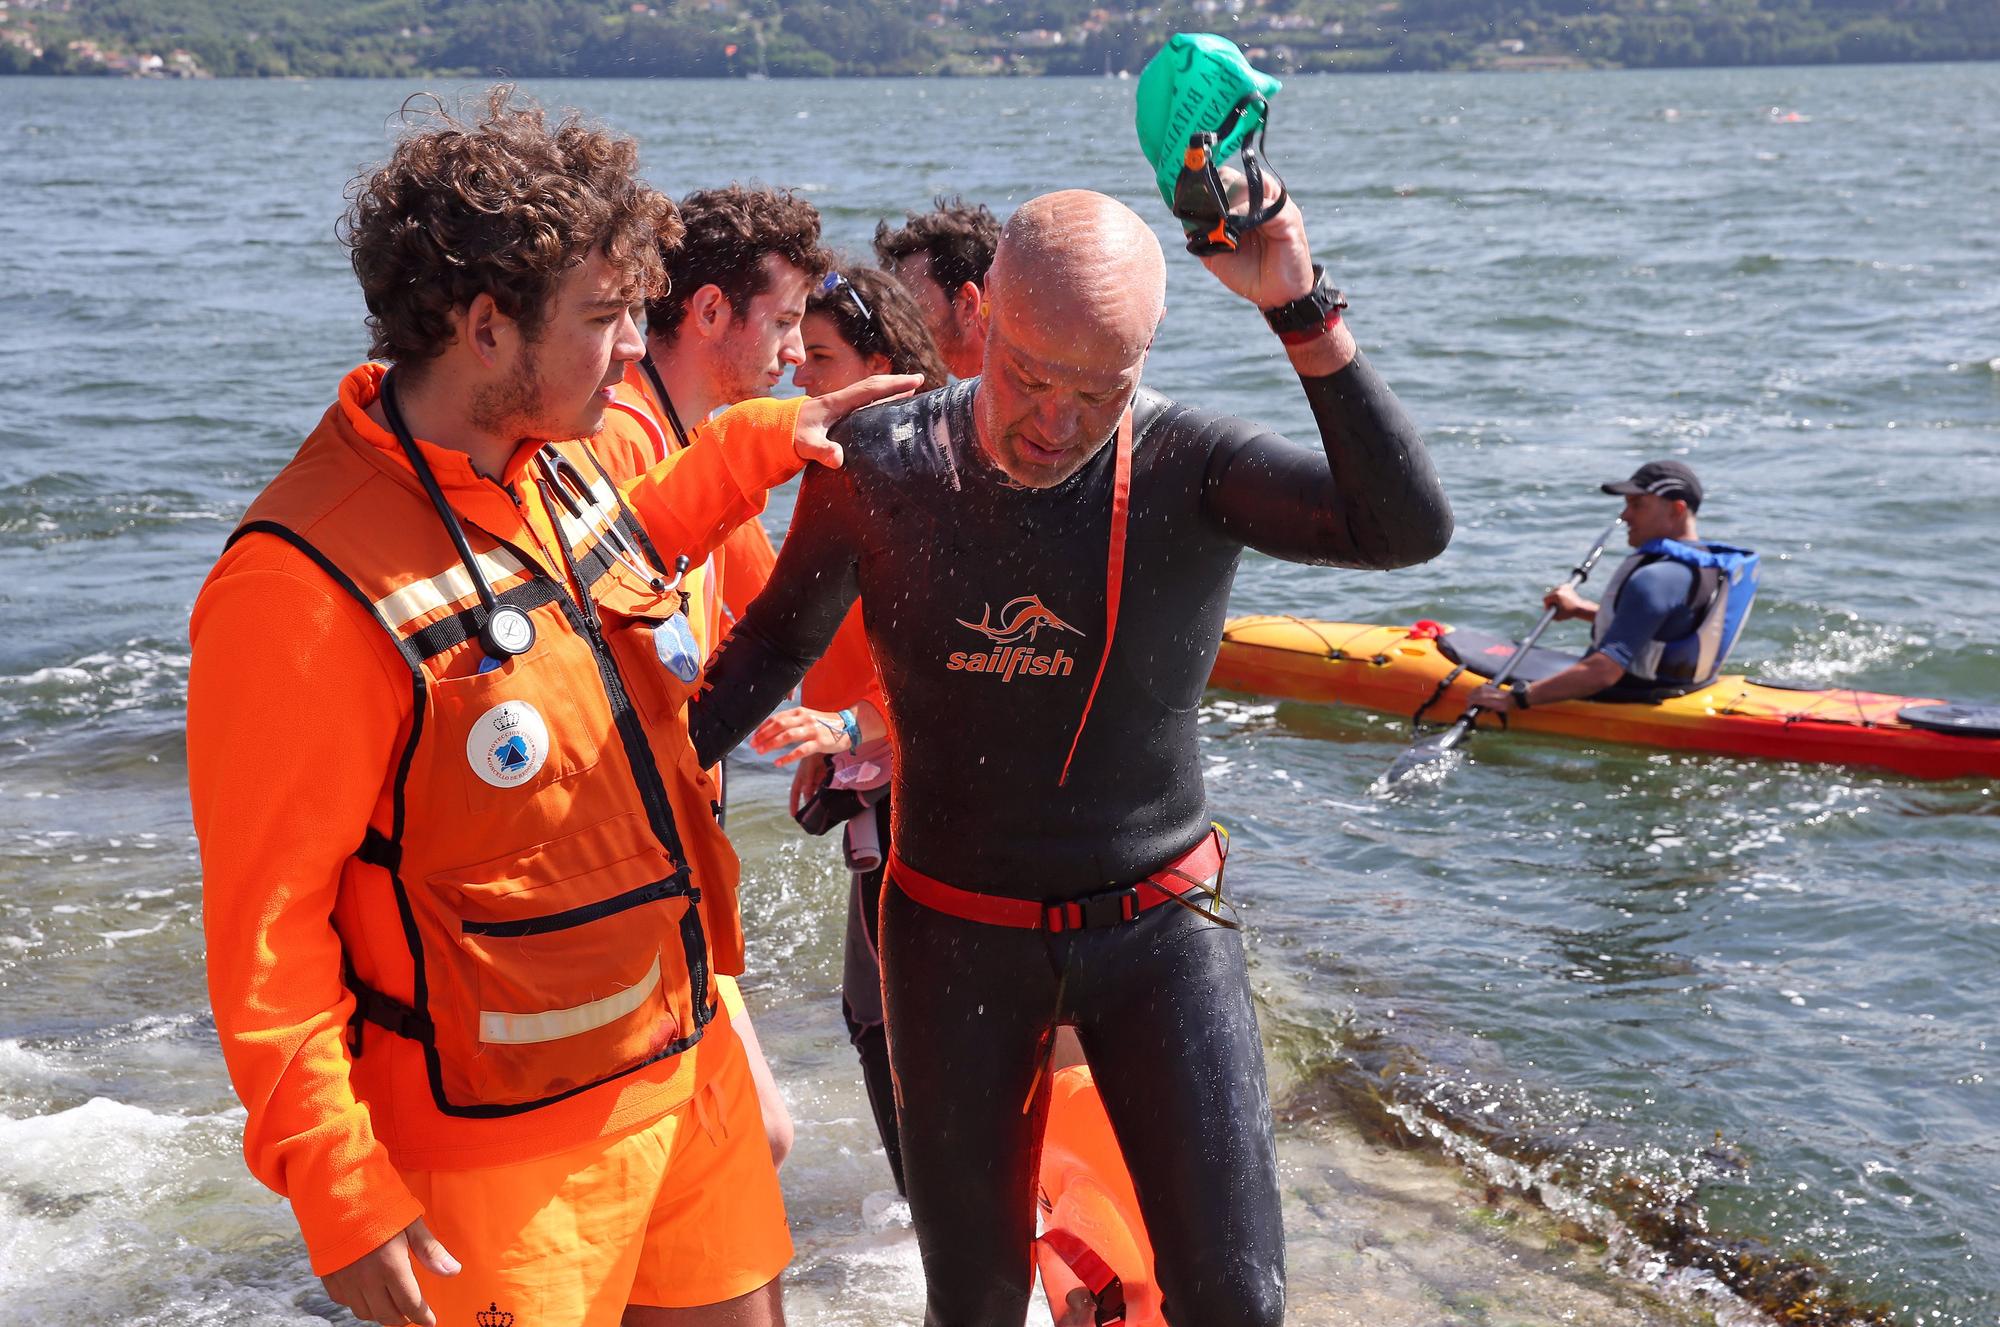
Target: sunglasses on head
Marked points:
833	281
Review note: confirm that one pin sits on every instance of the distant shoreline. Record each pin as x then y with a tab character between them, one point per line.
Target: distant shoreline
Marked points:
1526	64
956	38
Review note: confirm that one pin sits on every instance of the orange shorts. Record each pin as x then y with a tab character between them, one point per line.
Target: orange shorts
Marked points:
680	1213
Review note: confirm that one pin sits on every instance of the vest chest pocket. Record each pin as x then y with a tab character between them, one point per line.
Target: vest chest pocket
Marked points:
563	965
517	729
653	643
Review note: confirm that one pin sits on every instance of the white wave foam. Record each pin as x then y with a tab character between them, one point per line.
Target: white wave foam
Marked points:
101	1148
21	1068
133	675
1840	653
111	1213
1625	1253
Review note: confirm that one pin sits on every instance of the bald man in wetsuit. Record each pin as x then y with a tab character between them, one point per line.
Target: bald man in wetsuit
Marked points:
1045	553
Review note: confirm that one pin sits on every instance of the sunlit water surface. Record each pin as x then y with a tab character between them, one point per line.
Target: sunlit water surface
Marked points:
1771	987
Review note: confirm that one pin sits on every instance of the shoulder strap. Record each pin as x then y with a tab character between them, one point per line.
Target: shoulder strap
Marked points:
1114	574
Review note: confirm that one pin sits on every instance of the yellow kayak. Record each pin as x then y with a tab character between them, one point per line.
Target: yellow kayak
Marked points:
1432	668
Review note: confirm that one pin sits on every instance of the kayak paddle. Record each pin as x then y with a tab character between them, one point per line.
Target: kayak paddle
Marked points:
1438	747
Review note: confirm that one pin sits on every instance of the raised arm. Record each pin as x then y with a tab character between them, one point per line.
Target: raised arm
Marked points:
1369	497
788	626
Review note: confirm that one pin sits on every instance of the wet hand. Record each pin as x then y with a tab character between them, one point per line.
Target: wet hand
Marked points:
821	413
1272	265
1566	601
381	1286
806	732
1490	697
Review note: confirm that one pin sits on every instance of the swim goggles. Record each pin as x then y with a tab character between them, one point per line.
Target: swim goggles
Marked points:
1201	201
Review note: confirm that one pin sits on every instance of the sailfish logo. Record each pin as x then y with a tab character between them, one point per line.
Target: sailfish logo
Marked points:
1020	619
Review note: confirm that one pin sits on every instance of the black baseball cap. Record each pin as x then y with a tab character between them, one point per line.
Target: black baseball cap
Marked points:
1663	479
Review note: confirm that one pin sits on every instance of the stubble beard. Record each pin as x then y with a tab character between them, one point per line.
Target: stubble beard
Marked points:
513	408
520	408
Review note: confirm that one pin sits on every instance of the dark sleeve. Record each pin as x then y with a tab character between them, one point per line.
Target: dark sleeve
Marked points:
1649	595
1370	499
788	626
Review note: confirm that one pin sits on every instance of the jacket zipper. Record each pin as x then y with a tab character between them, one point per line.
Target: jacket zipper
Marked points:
568	918
638	752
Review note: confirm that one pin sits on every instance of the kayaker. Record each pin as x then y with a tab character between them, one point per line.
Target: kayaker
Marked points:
462	890
724	330
1670	613
1046	555
941	257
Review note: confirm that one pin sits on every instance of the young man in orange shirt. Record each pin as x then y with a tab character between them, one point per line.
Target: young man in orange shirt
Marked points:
464	894
724	331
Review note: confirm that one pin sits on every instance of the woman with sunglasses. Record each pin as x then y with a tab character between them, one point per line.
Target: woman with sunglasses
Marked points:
861	321
858	322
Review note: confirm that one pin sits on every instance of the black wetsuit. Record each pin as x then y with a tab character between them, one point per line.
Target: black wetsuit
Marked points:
947	553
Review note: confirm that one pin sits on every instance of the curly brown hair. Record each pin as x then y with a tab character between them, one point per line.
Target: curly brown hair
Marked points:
500	206
960	238
729	233
894	325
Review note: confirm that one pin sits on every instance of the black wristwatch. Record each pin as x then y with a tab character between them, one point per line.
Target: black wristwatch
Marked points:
1309	314
1519	691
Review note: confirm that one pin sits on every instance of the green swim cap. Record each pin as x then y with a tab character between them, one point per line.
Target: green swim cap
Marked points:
1190	87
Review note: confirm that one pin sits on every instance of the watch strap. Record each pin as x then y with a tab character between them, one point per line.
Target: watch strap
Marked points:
1311	314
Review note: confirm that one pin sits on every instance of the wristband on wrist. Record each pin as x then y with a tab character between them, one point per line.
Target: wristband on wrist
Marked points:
1519	690
851	721
1311	315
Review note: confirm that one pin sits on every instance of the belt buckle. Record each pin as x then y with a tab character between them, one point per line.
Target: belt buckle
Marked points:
1112	907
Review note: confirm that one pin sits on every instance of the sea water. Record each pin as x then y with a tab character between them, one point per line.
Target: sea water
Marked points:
1765	991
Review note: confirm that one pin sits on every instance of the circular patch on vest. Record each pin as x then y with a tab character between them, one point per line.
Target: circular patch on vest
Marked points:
508	744
673	641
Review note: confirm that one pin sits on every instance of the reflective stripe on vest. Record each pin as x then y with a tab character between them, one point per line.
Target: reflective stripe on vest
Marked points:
558	921
555	1024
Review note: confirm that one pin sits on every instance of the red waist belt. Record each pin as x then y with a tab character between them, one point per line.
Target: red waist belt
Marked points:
1200	868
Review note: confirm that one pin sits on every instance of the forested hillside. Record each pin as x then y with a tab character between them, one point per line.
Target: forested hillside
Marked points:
814	38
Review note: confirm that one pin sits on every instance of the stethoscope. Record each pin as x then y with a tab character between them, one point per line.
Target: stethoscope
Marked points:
509	631
561	478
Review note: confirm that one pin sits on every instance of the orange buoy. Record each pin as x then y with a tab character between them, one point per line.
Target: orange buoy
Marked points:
1093	1254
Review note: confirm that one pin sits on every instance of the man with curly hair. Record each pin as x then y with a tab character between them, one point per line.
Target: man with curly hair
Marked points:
740	262
464	896
941	257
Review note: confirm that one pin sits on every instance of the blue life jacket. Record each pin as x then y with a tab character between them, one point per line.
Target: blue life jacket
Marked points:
1725	585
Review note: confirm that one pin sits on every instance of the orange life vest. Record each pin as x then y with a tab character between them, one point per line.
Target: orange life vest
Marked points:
559	877
633	399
